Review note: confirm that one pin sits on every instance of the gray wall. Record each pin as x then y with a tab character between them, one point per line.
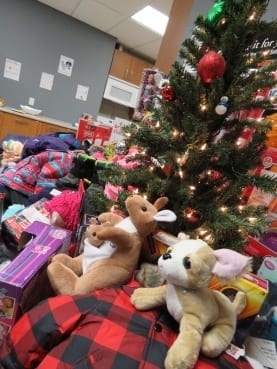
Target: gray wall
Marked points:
36	35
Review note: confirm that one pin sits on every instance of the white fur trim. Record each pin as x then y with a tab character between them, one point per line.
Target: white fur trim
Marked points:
93	253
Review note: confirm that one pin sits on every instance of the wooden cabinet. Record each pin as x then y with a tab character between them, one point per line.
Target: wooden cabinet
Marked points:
16	124
128	67
1	118
19	125
45	128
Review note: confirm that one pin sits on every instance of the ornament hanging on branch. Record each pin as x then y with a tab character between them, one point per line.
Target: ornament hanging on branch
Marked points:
222	106
215	13
211	66
167	93
192	215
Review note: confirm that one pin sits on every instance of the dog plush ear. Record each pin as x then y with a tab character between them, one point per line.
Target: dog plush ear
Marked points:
231	264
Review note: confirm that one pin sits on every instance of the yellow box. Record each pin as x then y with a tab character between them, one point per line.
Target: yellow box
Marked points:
255	287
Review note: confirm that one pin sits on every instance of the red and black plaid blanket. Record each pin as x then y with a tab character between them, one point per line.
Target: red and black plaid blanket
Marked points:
101	330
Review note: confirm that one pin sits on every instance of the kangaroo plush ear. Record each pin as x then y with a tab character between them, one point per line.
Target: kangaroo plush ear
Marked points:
165	216
231	264
160	202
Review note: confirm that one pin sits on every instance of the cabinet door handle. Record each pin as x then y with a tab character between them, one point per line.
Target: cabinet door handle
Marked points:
126	73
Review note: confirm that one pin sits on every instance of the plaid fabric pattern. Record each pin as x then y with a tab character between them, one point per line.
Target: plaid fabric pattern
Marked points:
96	331
37	172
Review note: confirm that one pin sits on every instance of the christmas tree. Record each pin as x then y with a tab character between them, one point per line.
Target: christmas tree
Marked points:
204	137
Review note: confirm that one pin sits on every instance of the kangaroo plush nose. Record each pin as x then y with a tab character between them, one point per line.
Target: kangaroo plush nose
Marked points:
166	256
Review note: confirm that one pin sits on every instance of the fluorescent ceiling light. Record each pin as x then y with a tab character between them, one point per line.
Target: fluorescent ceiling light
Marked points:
152	18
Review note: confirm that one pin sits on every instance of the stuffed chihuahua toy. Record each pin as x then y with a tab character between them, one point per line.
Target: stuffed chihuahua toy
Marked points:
111	249
207	317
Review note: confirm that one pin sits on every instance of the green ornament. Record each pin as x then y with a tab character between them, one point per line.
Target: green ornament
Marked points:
216	12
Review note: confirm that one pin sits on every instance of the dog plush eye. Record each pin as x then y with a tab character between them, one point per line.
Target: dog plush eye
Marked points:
186	262
167	255
144	208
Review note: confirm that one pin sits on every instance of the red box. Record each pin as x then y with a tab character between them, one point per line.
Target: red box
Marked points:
266	245
97	133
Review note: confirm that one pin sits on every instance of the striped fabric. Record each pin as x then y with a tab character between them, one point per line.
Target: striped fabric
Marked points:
37	172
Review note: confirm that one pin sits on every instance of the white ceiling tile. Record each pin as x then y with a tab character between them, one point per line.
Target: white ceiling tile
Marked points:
97	15
65	6
149	49
126	7
131	30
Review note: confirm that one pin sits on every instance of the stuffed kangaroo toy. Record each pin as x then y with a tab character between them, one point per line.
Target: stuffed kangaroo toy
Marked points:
111	249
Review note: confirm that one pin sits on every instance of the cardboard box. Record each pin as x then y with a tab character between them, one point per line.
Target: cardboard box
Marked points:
23	282
95	132
261	343
13	226
255	287
86	220
117	124
268	269
265	245
156	244
264	351
257	197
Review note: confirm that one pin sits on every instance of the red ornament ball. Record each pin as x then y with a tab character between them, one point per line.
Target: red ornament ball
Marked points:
211	66
167	93
192	215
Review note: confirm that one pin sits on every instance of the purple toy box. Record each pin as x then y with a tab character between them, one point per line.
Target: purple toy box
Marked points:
23	282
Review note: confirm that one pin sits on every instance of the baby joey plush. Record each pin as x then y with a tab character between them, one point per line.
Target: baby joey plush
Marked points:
111	250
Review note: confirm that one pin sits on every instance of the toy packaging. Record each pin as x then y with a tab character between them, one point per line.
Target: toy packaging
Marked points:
13	226
97	133
86	220
156	244
260	198
23	281
261	344
266	245
268	269
255	287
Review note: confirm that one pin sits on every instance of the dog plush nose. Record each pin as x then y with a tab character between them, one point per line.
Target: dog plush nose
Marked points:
167	256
